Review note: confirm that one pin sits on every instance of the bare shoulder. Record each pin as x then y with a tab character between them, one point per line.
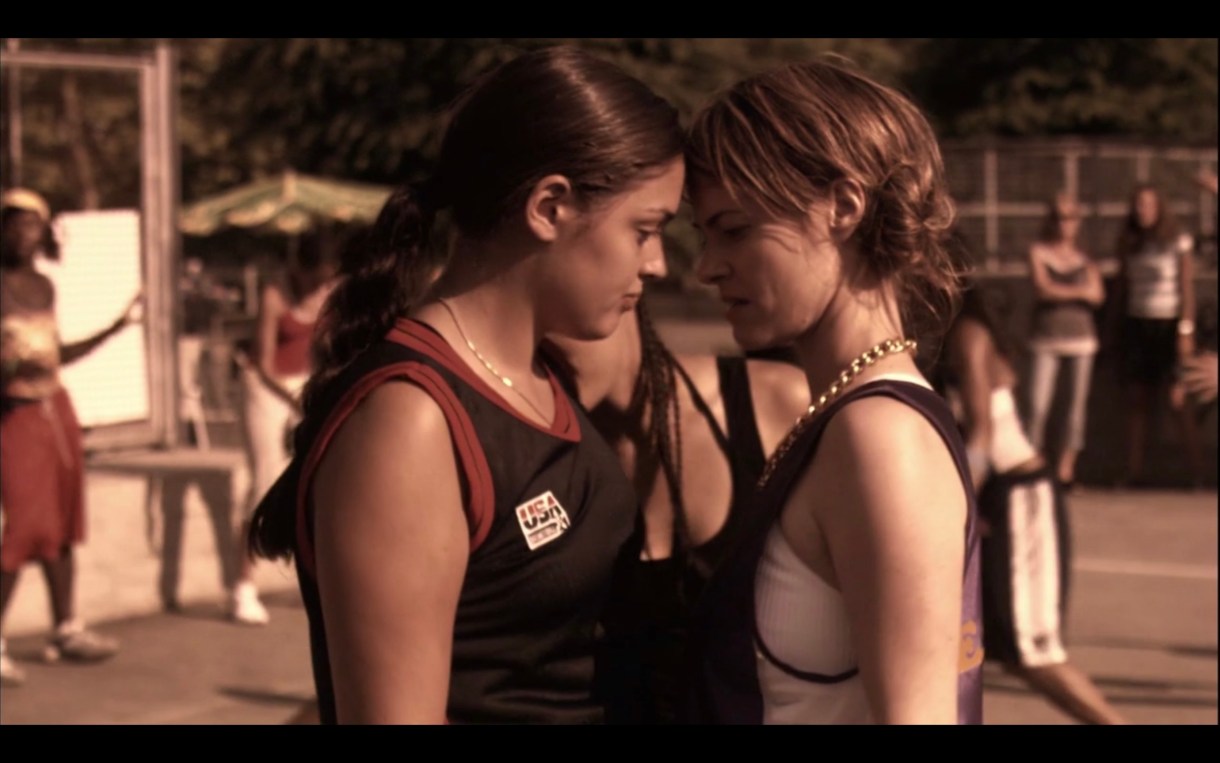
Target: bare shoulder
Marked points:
888	463
27	288
273	297
396	414
881	433
969	332
398	432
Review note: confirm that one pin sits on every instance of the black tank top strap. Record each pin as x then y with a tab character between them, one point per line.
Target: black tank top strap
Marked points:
705	411
744	439
743	448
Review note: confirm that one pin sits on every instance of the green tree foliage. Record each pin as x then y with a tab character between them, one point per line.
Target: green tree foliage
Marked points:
1143	88
371	108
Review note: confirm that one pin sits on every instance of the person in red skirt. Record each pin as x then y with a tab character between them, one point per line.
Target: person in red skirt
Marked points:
41	452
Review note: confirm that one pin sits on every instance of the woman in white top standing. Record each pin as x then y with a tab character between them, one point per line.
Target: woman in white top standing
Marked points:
1158	301
1068	288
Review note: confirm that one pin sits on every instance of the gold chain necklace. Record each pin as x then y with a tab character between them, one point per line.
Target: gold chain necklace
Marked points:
507	382
846	376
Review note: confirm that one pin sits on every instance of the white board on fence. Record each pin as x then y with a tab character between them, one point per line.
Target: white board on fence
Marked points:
98	274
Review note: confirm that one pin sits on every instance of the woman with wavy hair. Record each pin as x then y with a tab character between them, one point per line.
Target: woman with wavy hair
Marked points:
1156	297
821	197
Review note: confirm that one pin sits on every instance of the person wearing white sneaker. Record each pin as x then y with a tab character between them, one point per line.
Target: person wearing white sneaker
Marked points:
73	642
41	450
273	374
10	674
245	607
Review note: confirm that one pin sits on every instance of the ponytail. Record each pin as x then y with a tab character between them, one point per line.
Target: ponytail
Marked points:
382	274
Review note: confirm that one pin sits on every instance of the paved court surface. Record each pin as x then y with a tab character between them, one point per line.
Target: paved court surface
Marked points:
1143	623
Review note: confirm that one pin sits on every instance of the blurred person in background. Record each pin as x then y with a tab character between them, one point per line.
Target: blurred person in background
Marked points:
1068	289
1199	371
41	448
1199	377
196	319
1157	302
273	374
1027	535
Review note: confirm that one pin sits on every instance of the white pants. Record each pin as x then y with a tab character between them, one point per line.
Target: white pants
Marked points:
190	378
267	422
1043	375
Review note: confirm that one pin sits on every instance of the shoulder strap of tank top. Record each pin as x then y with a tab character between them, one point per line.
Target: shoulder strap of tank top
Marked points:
922	399
744	438
701	405
393	360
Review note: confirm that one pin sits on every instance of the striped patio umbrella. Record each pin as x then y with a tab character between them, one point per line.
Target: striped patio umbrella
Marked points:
291	203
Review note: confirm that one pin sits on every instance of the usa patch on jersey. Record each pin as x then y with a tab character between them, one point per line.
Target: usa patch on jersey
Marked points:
542	520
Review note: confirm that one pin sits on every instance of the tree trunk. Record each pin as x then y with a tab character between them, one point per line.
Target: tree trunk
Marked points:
74	128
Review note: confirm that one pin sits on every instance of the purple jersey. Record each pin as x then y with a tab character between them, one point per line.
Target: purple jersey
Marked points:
729	690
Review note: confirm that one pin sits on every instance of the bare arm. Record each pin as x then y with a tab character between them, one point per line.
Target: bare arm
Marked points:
1093	290
1046	289
70	353
391	554
970	348
1118	308
893	514
1199	376
1186	342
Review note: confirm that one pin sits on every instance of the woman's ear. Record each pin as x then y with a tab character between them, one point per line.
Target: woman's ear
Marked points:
550	204
847	206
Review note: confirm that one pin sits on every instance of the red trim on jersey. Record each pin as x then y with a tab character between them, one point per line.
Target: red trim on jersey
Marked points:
472	461
424	339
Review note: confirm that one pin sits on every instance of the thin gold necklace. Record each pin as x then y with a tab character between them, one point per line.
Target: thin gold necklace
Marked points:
846	376
507	382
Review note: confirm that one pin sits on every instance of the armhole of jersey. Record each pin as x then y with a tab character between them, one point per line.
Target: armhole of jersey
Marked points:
909	393
472	461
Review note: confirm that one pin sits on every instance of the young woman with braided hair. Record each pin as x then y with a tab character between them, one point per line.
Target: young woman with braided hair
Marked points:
692	432
453	516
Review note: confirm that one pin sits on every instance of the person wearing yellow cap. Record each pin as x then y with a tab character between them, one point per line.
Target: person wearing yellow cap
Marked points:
41	453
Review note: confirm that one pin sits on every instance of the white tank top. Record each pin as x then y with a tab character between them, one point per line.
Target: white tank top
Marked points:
802	622
1009	446
1153	281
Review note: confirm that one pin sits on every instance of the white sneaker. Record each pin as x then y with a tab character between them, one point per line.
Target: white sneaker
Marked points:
74	642
244	606
10	674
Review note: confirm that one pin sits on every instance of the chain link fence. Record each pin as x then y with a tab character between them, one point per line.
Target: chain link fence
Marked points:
1003	188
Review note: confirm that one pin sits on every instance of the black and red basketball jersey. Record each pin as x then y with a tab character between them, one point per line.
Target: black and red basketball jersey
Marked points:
549	510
